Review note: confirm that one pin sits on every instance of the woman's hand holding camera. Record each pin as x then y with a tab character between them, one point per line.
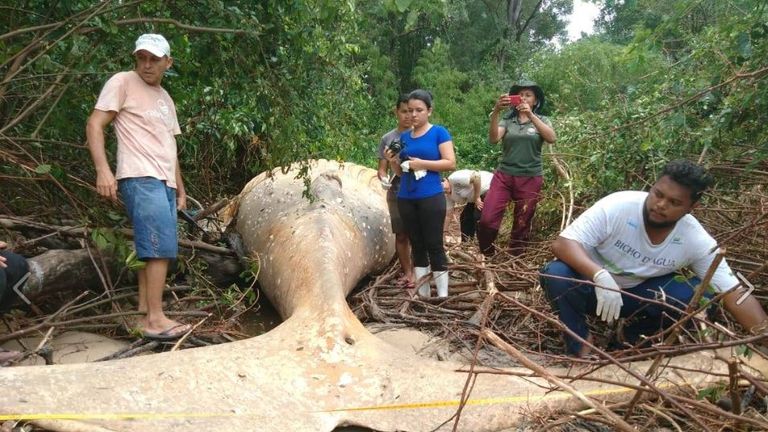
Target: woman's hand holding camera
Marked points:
524	108
507	101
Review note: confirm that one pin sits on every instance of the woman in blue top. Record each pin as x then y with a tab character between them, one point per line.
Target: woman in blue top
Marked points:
427	150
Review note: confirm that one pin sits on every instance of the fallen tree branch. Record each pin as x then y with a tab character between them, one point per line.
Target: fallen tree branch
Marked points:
48	322
17	223
542	372
692	306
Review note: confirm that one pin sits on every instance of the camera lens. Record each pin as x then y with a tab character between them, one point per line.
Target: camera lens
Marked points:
395	146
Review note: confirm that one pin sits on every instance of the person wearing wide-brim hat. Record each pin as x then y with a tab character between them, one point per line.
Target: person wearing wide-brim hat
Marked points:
518	177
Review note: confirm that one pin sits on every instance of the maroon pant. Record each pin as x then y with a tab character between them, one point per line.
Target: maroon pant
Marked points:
524	191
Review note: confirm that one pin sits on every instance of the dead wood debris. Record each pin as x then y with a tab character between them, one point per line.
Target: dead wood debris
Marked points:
506	293
501	296
191	296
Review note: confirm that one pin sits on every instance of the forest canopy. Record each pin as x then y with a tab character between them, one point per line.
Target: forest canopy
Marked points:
262	84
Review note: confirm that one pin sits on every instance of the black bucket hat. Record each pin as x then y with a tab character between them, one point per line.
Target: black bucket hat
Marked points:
528	84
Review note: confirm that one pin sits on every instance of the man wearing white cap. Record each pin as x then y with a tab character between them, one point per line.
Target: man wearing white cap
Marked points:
148	175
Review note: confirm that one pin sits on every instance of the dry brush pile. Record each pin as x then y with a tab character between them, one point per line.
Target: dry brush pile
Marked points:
498	315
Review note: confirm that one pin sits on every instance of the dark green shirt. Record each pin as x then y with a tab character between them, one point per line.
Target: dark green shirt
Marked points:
521	148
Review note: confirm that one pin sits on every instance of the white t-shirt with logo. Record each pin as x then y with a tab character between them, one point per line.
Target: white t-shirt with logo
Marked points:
462	190
145	126
613	233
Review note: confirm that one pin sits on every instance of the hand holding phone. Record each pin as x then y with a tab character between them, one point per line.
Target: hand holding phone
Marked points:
515	100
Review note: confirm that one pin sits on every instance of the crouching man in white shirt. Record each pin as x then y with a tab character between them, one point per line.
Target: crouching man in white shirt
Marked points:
635	243
466	188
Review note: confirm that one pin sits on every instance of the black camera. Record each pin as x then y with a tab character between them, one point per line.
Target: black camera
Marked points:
396	146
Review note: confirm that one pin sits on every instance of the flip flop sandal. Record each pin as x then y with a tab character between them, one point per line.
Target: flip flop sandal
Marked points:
167	334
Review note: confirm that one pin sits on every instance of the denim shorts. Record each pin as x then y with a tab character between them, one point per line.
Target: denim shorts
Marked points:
151	207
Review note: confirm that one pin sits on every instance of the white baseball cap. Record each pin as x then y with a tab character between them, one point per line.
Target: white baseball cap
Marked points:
154	43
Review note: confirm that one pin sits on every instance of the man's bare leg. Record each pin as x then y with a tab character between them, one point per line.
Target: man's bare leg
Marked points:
151	285
143	290
403	248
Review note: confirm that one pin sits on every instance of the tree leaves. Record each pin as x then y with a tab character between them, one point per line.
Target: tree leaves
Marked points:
402	5
262	84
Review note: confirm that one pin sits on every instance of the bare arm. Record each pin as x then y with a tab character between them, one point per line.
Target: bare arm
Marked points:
382	171
181	193
573	253
394	162
106	185
749	314
495	133
475	181
545	130
3	245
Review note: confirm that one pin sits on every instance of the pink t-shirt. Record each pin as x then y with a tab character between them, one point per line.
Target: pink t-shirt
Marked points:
145	125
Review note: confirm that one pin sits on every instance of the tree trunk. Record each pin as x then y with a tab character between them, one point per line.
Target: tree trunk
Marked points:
58	270
74	270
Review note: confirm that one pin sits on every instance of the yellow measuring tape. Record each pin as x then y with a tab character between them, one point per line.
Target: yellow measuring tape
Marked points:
488	401
417	405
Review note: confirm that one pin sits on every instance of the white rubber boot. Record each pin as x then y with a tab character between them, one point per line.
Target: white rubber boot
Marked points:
441	282
418	273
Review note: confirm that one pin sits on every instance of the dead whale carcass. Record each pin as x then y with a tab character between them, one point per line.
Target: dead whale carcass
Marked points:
317	240
320	368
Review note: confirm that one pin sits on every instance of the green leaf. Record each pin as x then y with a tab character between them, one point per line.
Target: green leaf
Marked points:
43	169
712	393
412	19
403	5
133	263
99	239
744	351
744	45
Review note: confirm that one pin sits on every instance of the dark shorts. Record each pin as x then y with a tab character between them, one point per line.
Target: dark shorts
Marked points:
15	270
151	207
394	213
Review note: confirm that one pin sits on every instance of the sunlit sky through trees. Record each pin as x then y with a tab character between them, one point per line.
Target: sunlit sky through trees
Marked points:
582	19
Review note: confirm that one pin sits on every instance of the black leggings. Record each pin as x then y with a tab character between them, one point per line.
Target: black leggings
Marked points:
470	216
423	220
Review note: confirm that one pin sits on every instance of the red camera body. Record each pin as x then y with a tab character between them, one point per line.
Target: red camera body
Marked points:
515	100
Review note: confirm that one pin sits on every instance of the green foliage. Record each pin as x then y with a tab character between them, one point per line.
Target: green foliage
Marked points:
111	241
133	263
621	111
743	351
263	84
279	82
712	393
